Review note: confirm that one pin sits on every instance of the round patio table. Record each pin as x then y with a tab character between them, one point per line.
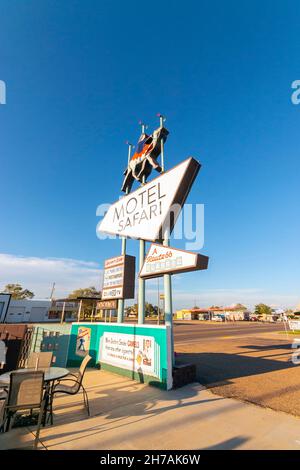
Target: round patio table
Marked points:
50	375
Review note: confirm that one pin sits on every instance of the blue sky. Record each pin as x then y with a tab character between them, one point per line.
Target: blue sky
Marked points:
79	77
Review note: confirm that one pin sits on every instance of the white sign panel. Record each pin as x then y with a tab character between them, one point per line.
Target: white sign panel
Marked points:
294	324
118	278
144	213
113	278
163	259
132	352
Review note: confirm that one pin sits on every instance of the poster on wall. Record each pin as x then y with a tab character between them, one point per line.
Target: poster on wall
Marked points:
83	341
127	351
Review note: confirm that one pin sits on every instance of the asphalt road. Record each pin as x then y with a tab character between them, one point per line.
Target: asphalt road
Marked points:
185	332
248	361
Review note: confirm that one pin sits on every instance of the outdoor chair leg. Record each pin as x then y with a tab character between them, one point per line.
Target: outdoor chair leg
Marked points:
50	409
86	400
41	413
10	421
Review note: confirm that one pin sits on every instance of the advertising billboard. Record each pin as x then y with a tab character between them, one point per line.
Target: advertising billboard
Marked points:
118	278
166	260
153	208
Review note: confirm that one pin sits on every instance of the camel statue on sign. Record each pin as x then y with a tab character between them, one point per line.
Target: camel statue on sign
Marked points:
145	158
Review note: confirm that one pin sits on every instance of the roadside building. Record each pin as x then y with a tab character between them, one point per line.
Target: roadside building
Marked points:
185	314
201	314
66	308
296	312
4	303
232	313
27	311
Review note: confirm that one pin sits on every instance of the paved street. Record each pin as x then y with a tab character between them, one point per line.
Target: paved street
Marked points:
185	332
248	361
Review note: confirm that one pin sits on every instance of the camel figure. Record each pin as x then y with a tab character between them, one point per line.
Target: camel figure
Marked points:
145	158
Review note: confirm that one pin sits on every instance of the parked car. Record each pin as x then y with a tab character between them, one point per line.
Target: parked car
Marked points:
217	318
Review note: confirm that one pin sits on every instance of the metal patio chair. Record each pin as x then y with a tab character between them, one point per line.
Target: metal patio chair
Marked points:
25	393
75	384
39	360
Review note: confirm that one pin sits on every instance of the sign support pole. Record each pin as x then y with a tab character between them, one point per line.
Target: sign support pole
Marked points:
79	311
121	302
63	313
141	295
167	277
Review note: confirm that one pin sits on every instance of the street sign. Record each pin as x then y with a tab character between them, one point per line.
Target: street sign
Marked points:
118	278
294	324
107	304
166	260
161	296
147	212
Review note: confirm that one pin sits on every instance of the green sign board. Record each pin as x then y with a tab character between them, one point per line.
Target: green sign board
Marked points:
142	352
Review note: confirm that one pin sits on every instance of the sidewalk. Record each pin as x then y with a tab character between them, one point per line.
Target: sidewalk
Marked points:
128	415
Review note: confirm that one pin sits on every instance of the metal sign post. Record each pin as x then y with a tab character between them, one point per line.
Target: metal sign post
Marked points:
141	294
167	277
123	252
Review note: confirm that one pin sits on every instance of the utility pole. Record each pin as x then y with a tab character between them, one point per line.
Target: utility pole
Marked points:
141	297
52	291
121	302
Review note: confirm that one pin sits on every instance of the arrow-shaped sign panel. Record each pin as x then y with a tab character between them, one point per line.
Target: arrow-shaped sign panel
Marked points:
165	260
153	208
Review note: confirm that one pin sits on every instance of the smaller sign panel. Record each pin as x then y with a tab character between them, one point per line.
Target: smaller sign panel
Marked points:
294	324
118	278
165	260
107	304
83	341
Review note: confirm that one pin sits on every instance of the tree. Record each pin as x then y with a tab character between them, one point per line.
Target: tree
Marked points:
262	309
240	307
290	313
85	292
88	306
17	292
150	310
131	310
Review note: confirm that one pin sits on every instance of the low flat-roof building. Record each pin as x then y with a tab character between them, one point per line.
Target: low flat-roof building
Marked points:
27	311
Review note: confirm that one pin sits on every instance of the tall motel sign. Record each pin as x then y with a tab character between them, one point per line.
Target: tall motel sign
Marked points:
149	213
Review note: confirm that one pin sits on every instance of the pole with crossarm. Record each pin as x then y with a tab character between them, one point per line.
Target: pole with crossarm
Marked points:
167	277
121	302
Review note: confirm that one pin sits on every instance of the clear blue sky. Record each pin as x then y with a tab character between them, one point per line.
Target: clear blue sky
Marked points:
80	75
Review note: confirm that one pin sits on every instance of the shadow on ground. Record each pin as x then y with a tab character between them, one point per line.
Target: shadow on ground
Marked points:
220	368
